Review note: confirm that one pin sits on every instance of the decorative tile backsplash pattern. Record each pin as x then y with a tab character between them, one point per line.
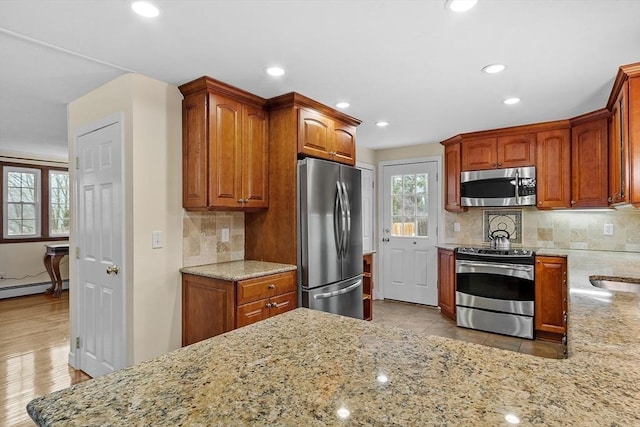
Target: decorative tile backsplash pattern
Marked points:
202	237
507	221
555	229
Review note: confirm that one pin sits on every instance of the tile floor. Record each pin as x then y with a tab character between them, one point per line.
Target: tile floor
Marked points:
428	320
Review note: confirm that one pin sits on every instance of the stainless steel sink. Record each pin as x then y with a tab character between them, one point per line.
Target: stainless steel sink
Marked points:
612	283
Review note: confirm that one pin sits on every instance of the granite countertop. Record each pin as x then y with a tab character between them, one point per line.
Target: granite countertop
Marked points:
310	368
238	270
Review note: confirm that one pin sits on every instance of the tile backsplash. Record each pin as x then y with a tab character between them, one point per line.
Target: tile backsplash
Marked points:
556	229
202	237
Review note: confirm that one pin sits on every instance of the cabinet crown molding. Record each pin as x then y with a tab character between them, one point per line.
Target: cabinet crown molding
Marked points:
509	131
294	99
624	72
602	113
206	83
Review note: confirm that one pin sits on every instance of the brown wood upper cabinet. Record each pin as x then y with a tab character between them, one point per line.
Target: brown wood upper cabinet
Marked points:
224	147
624	137
498	152
326	138
452	159
589	160
553	169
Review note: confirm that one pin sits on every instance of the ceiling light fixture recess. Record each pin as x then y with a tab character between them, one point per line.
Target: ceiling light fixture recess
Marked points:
145	9
460	5
382	124
342	105
511	101
493	68
275	71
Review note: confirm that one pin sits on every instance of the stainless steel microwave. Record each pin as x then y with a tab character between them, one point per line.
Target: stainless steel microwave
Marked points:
499	187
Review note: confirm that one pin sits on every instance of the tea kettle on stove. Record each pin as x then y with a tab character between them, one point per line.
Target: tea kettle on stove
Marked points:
500	239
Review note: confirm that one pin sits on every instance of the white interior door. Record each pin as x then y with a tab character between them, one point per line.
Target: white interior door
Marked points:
100	237
409	232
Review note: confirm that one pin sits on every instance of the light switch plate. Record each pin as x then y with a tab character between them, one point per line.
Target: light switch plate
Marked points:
456	226
225	235
607	230
156	239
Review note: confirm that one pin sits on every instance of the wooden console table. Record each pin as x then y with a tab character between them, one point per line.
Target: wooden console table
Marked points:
55	253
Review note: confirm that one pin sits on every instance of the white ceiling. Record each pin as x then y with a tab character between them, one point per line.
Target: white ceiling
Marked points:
412	63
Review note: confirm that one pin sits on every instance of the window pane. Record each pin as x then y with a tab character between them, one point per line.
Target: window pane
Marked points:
396	229
421	184
409	184
409	205
14	211
14	194
396	205
410	226
28	212
29	226
421	205
15	227
423	227
59	203
14	179
22	190
396	184
28	195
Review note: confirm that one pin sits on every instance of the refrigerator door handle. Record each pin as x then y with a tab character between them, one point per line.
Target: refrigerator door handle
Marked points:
337	209
340	292
347	234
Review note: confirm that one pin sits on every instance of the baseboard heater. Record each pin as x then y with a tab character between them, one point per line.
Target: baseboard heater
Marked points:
27	289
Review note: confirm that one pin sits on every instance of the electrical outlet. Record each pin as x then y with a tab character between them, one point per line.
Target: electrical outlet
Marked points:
456	226
607	230
225	235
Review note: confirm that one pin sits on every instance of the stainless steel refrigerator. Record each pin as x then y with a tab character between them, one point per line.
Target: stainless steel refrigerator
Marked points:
330	237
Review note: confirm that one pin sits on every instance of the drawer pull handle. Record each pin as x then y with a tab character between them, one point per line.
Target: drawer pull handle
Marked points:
272	286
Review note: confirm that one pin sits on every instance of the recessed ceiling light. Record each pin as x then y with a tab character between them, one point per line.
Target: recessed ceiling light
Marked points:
275	71
343	413
511	101
382	124
342	105
145	9
460	5
512	419
493	68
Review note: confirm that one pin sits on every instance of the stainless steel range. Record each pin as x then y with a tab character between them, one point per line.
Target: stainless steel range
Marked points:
495	290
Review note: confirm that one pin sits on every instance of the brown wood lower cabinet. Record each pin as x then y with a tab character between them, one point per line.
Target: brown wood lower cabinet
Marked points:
551	298
212	307
367	286
447	283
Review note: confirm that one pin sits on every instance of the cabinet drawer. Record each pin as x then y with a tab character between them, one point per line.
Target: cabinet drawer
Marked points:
266	286
251	313
283	303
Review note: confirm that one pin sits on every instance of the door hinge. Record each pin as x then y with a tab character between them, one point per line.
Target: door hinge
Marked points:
77	252
77	342
77	162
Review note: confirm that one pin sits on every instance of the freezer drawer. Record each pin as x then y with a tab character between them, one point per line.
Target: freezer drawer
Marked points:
344	298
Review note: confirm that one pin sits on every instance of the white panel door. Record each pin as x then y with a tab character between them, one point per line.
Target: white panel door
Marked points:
100	242
409	232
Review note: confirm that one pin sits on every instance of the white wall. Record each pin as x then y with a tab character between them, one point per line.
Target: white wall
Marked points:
152	192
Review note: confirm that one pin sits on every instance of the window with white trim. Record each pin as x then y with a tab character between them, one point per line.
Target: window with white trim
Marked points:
58	203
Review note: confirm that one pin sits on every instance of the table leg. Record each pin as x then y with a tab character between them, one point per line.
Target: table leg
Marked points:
58	276
47	265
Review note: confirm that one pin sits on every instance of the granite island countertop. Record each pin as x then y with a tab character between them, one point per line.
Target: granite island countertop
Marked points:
238	270
306	367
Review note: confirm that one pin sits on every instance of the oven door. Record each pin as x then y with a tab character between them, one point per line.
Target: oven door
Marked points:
502	287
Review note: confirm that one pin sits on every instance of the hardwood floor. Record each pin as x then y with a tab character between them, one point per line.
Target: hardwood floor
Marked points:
34	348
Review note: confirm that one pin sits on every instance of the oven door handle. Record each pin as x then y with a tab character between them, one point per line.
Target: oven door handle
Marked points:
492	265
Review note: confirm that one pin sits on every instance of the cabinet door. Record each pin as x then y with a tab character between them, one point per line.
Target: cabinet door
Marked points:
208	308
252	312
315	133
589	164
633	125
283	303
553	169
618	149
255	158
479	154
343	144
225	154
551	294
195	140
452	178
266	286
515	151
447	283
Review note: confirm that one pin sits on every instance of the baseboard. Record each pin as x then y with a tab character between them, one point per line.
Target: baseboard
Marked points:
28	289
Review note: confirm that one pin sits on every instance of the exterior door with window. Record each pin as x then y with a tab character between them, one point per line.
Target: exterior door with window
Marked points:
409	227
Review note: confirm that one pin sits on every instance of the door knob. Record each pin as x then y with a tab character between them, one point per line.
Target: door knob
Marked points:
113	269
385	239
